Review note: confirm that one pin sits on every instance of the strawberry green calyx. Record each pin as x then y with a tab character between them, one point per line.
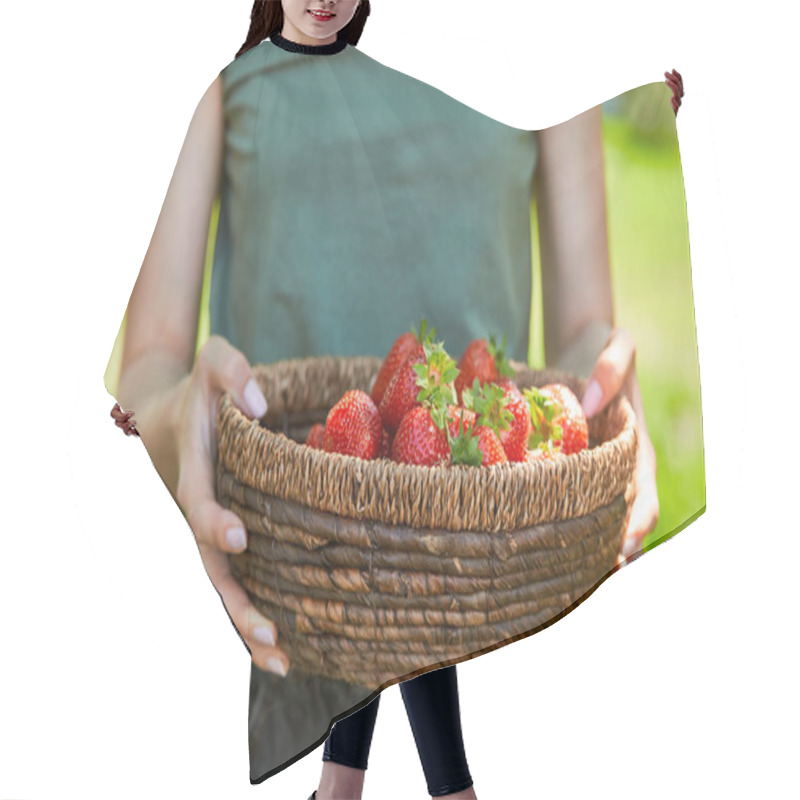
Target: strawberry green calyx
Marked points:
489	403
544	412
498	353
545	451
425	334
468	395
435	379
464	448
439	416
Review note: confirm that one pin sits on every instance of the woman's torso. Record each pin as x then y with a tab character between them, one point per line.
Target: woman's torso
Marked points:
356	200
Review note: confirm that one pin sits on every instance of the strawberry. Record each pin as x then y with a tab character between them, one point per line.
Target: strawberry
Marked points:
401	349
426	375
557	416
492	419
515	438
454	423
575	428
483	360
316	436
385	449
478	447
353	426
544	452
401	393
490	403
419	440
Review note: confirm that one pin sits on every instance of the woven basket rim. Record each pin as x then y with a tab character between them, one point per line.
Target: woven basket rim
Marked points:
298	448
576	469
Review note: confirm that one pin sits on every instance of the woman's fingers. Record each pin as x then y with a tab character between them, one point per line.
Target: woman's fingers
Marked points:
210	523
675	82
219	368
674	79
644	515
227	370
610	372
645	507
259	633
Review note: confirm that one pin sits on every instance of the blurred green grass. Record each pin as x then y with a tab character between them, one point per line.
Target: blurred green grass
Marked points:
651	275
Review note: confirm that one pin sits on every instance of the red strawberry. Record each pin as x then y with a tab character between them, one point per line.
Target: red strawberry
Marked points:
483	360
385	449
420	441
476	363
426	376
557	416
316	436
515	438
402	392
491	446
501	406
353	426
454	419
401	349
479	447
575	428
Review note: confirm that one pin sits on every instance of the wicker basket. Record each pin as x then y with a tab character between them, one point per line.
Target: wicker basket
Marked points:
373	571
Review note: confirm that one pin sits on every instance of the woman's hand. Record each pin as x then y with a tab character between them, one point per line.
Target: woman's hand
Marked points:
219	368
615	372
675	82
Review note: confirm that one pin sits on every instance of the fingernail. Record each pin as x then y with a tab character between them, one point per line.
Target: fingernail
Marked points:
276	665
236	538
254	399
592	398
264	635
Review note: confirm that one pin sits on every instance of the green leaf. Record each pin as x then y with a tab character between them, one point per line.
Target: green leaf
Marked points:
498	353
425	333
544	412
491	404
465	448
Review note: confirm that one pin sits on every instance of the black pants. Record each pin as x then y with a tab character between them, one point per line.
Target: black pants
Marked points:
432	706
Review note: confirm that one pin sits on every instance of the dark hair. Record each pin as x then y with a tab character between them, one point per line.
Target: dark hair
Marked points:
266	19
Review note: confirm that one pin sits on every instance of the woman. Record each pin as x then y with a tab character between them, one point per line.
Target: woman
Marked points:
327	204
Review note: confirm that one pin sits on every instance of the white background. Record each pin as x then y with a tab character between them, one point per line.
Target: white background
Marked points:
120	674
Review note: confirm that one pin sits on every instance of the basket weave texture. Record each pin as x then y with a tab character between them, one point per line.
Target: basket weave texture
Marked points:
373	571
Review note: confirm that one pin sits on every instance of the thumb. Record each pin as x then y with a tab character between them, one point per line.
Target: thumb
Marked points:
610	372
229	371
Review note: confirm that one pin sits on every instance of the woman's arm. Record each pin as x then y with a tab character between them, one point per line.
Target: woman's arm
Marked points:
576	280
175	395
164	308
577	296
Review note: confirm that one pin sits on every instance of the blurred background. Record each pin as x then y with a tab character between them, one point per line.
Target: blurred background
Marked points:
652	283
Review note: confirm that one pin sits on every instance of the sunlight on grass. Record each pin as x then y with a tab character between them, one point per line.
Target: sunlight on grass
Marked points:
653	299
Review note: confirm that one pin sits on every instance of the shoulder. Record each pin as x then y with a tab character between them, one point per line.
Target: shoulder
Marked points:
245	67
209	113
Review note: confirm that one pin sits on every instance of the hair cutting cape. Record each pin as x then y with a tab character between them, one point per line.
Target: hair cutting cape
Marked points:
354	201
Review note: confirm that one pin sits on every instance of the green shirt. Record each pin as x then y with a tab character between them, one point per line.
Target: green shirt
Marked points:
356	200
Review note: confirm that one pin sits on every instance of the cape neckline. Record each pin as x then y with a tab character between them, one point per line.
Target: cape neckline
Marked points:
309	49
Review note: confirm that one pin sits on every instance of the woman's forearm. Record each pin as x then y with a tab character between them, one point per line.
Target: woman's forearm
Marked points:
580	355
573	240
153	387
634	394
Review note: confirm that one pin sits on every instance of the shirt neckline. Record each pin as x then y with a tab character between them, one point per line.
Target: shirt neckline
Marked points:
309	49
